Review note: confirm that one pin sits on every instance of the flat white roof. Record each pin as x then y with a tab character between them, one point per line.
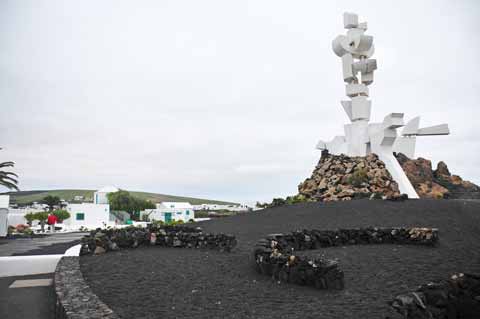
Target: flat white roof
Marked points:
177	204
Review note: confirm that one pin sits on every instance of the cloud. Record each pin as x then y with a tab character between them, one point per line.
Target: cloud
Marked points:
219	99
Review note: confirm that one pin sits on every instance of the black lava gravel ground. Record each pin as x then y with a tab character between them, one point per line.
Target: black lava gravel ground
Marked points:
153	282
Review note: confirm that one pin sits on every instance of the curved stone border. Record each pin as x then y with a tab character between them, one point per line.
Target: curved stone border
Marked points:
457	297
274	255
103	240
75	299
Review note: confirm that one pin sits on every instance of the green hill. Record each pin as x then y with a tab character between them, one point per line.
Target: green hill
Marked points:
27	197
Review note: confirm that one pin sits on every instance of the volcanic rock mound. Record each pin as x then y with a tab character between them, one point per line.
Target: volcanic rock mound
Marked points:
340	177
437	183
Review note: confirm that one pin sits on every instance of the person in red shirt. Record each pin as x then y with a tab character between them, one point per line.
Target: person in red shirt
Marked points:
51	220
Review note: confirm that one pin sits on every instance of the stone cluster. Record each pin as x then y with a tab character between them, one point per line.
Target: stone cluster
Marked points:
457	297
102	240
75	299
340	177
438	183
275	255
272	260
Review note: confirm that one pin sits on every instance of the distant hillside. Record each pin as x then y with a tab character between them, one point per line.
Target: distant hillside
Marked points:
26	197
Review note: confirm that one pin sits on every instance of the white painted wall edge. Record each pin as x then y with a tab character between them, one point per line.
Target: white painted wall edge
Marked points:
28	265
33	265
73	251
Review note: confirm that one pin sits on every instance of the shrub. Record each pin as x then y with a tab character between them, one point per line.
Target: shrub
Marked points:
296	199
30	217
61	214
358	177
41	216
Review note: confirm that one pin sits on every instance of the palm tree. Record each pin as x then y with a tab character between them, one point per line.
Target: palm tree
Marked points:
51	202
8	179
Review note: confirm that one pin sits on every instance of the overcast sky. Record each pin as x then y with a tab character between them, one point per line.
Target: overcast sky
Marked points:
220	99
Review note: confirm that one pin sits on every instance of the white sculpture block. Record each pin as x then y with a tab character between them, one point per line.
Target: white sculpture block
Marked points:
365	66
441	129
341	46
363	26
367	78
363	43
356	138
321	145
347	65
405	145
360	108
350	20
354	89
361	137
393	120
347	106
411	128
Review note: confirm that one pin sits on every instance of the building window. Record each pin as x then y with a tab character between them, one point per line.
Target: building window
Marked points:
80	216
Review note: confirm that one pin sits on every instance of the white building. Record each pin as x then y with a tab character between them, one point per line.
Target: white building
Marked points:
229	207
88	215
100	196
171	211
4	201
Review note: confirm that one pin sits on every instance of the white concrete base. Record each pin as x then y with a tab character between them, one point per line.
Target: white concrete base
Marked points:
33	265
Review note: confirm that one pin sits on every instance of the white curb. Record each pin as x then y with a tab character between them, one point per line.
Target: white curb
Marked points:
33	265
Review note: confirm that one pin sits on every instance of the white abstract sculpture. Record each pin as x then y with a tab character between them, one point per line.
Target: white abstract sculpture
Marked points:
361	137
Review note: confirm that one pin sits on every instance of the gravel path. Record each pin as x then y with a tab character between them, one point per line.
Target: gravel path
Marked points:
153	282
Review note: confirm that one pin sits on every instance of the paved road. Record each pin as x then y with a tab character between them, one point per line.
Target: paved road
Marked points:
31	302
52	244
26	303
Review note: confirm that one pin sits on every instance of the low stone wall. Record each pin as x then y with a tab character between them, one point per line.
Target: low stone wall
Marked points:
274	255
457	297
75	299
103	240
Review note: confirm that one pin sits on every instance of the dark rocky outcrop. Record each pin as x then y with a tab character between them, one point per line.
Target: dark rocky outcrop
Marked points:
457	297
438	183
340	177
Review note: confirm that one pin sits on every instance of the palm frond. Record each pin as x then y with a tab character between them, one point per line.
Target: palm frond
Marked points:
8	184
7	164
9	179
4	173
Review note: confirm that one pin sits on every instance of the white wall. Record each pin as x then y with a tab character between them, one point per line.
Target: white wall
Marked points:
16	215
233	208
100	198
95	215
4	201
3	222
177	214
